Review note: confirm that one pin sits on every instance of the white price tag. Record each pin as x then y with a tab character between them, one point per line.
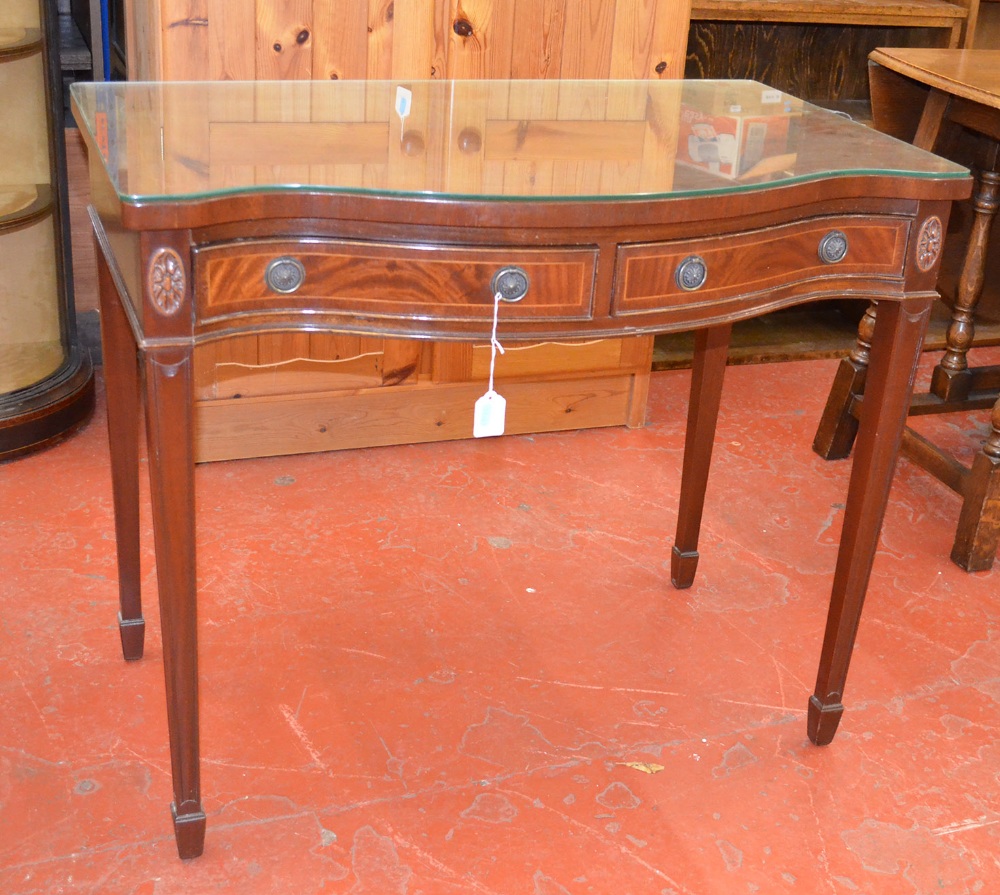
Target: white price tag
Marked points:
490	413
404	102
491	409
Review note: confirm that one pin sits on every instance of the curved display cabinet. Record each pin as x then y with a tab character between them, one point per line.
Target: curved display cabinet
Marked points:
46	380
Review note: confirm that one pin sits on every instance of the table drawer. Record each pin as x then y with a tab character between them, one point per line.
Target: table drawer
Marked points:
388	279
654	276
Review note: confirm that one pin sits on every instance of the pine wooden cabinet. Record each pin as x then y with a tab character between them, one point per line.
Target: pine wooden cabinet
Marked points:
279	393
46	382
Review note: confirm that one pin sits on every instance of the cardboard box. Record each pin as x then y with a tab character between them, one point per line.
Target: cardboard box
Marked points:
744	137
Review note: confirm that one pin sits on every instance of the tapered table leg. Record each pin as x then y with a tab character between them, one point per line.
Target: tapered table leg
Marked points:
896	343
121	374
711	349
894	101
171	470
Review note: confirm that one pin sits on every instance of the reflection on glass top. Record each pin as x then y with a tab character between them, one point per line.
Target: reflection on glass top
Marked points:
484	139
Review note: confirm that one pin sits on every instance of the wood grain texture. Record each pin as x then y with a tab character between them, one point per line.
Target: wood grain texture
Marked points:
230	25
834	11
972	76
78	195
284	40
374	278
240	39
185	36
398	39
144	29
817	50
956	21
816	62
340	41
266	426
758	262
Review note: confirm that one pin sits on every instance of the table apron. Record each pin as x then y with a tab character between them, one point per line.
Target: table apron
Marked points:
427	289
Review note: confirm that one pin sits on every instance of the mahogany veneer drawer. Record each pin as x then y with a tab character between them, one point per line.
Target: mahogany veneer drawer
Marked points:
369	278
652	276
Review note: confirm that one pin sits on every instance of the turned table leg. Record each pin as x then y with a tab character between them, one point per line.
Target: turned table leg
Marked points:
895	349
952	378
838	425
711	349
121	375
170	434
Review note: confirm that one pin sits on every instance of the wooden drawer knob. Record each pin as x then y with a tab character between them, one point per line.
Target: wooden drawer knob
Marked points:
470	140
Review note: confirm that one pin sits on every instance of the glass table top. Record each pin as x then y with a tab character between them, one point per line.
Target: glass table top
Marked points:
488	140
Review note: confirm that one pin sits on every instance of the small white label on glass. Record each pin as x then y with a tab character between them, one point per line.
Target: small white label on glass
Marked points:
404	102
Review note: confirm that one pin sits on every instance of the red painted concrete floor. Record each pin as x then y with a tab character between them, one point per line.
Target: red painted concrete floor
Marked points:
461	668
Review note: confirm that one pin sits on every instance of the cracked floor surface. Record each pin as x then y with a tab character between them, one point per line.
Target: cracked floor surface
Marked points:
461	668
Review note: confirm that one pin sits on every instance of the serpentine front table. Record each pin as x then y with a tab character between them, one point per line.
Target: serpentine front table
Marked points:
422	209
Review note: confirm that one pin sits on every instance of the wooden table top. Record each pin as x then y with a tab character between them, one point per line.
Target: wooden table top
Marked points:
971	74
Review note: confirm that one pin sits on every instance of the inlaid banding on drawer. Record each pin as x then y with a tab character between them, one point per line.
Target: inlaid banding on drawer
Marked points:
749	263
441	282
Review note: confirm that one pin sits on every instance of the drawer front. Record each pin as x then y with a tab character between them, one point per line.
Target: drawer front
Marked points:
654	276
390	280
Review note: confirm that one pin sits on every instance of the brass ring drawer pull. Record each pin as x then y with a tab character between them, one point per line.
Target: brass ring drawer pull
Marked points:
510	283
284	275
833	247
691	273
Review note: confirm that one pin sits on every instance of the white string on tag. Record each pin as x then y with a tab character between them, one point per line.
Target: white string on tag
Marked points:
491	409
404	102
495	345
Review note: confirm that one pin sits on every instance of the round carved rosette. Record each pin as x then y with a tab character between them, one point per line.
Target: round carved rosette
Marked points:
166	281
929	242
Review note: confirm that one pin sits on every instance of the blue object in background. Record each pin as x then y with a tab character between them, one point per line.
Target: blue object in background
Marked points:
106	38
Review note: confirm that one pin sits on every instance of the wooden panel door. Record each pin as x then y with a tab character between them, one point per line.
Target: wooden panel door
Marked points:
369	39
253	392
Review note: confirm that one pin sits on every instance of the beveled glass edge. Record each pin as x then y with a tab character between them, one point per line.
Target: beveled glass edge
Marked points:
949	170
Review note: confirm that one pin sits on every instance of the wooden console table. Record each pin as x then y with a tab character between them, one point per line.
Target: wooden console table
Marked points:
915	94
623	208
